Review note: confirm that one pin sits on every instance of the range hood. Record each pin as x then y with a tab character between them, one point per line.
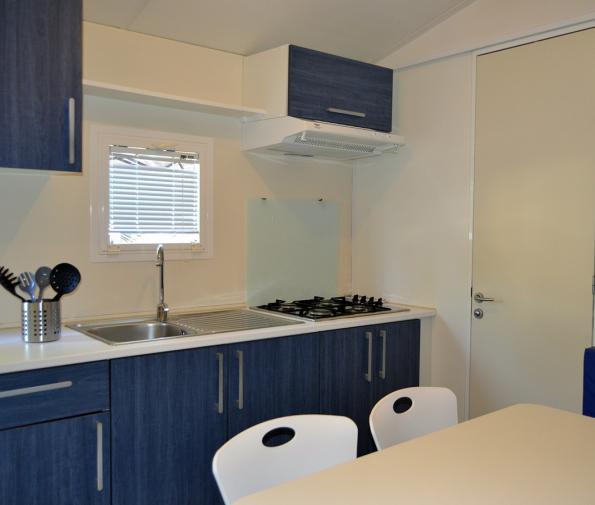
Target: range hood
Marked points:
289	136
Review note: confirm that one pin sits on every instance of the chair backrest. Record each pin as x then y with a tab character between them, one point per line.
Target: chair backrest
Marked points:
280	450
412	412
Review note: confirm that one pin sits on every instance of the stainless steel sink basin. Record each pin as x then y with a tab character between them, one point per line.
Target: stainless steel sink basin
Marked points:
187	325
130	332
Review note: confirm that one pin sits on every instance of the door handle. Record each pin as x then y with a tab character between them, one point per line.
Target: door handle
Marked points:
346	112
368	375
382	372
240	400
35	389
99	428
219	404
479	298
71	130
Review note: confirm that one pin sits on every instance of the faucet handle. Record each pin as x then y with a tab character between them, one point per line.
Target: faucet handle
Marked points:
162	311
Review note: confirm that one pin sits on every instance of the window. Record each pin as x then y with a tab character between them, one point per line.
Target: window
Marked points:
149	188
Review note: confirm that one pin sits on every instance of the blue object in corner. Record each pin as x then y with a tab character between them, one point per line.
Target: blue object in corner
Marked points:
589	383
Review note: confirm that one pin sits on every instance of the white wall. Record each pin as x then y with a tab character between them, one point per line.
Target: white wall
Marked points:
412	215
44	218
412	212
488	22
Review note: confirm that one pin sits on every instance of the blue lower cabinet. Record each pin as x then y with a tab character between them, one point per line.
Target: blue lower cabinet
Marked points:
168	419
63	462
358	366
396	353
272	378
345	378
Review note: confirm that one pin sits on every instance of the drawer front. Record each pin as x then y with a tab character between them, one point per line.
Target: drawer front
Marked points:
53	393
329	88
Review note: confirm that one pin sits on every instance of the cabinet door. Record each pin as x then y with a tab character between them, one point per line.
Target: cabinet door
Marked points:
346	372
40	71
339	90
58	463
397	357
272	378
167	425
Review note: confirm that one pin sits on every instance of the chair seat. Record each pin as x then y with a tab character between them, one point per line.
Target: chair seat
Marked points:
412	412
280	450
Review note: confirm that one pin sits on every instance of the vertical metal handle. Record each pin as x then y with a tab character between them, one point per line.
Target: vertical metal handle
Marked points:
368	375
99	428
240	401
220	399
382	372
71	130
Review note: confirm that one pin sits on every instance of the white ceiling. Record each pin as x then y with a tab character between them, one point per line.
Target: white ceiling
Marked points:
365	30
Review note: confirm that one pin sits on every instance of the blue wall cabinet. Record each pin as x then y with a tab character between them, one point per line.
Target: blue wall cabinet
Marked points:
62	462
272	378
333	89
358	366
168	419
41	84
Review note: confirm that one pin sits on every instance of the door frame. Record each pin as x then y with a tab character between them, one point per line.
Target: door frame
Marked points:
565	29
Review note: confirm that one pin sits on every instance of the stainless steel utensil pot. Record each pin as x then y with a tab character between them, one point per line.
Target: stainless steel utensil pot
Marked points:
41	321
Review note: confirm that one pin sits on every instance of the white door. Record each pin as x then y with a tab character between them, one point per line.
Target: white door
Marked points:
534	217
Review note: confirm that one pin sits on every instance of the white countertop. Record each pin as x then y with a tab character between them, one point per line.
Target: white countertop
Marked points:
74	347
521	455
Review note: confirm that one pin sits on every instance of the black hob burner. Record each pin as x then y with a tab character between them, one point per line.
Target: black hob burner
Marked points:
325	308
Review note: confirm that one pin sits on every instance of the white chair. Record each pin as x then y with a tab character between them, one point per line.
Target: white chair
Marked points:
253	460
412	412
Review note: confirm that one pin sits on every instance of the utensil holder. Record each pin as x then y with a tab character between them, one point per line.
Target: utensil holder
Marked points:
41	321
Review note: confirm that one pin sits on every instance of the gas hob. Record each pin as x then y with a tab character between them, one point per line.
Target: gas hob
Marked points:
318	308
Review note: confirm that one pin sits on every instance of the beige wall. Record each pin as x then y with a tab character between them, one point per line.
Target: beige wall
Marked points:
44	219
116	56
488	22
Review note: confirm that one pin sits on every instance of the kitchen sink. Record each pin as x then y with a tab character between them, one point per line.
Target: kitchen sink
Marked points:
187	325
130	332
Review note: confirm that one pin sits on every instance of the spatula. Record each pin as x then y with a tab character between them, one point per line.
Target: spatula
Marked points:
9	281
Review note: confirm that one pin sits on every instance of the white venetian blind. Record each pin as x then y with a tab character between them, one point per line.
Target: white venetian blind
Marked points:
154	196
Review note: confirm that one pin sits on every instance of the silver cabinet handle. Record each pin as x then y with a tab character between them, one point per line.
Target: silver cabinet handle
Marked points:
382	372
35	389
368	375
240	400
220	399
99	427
346	112
479	298
71	130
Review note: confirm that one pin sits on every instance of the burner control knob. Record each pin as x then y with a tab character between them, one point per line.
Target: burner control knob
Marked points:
355	298
363	299
371	301
379	302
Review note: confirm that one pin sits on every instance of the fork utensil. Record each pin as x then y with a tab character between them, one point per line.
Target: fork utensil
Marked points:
28	285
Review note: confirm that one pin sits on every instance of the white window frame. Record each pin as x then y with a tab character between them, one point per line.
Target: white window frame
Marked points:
100	138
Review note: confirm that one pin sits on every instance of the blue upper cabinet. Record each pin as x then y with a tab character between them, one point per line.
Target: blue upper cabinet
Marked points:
329	88
41	84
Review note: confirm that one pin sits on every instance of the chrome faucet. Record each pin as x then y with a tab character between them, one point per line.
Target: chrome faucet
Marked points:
162	308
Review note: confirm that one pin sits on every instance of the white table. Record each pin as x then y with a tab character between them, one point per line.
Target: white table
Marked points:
525	455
